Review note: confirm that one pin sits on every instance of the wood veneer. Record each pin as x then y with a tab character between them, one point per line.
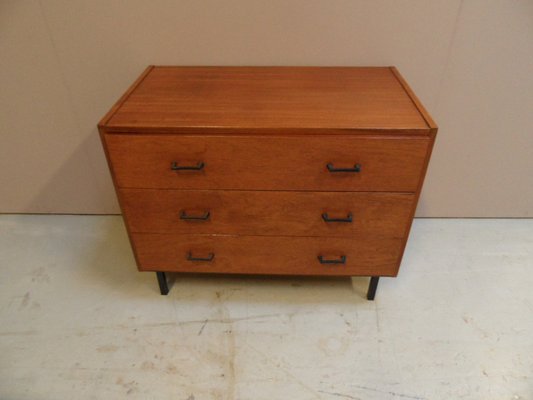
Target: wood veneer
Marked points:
390	164
279	255
263	137
258	98
271	213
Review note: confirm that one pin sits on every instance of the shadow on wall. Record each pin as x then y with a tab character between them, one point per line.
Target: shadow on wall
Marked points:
83	182
422	206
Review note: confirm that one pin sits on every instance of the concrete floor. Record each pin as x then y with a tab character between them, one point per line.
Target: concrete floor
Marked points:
77	321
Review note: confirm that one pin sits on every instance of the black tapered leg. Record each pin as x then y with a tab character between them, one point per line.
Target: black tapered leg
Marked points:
372	287
162	280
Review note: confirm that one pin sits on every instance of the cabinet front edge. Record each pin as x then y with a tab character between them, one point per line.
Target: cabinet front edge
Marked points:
265	131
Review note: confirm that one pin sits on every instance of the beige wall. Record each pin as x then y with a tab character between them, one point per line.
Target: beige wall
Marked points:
64	63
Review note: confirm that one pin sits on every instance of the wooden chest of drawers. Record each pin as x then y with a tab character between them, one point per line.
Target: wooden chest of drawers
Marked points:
268	170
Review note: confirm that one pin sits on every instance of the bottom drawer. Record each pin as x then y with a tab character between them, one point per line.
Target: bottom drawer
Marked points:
267	254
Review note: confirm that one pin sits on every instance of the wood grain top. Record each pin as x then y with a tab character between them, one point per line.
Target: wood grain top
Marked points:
269	99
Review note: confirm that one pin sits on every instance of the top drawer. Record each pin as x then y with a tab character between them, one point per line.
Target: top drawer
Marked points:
319	163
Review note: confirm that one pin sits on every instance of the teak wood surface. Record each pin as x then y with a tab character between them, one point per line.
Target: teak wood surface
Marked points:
250	99
279	255
265	135
268	212
268	163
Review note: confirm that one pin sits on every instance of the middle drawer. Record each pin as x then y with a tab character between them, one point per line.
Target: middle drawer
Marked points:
267	212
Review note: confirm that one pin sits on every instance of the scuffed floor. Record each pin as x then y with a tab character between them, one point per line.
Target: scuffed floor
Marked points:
77	321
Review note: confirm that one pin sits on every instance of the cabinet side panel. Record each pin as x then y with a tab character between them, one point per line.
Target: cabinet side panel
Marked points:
103	136
417	196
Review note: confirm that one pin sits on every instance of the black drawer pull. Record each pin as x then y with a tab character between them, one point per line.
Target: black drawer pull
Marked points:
326	218
210	257
203	217
356	168
175	167
341	260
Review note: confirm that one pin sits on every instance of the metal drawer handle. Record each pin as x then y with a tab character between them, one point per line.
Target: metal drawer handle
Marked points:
203	217
341	260
331	168
326	218
209	258
175	167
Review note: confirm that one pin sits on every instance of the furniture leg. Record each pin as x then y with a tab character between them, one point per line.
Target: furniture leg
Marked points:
372	288
162	280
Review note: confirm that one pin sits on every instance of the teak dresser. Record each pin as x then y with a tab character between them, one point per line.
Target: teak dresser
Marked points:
268	170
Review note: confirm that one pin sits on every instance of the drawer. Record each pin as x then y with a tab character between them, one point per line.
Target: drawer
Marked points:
266	162
267	254
273	213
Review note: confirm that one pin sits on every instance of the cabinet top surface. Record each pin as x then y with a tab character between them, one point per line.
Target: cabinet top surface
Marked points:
252	99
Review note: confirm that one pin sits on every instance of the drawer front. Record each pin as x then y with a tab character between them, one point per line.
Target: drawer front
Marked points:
267	163
267	254
334	214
